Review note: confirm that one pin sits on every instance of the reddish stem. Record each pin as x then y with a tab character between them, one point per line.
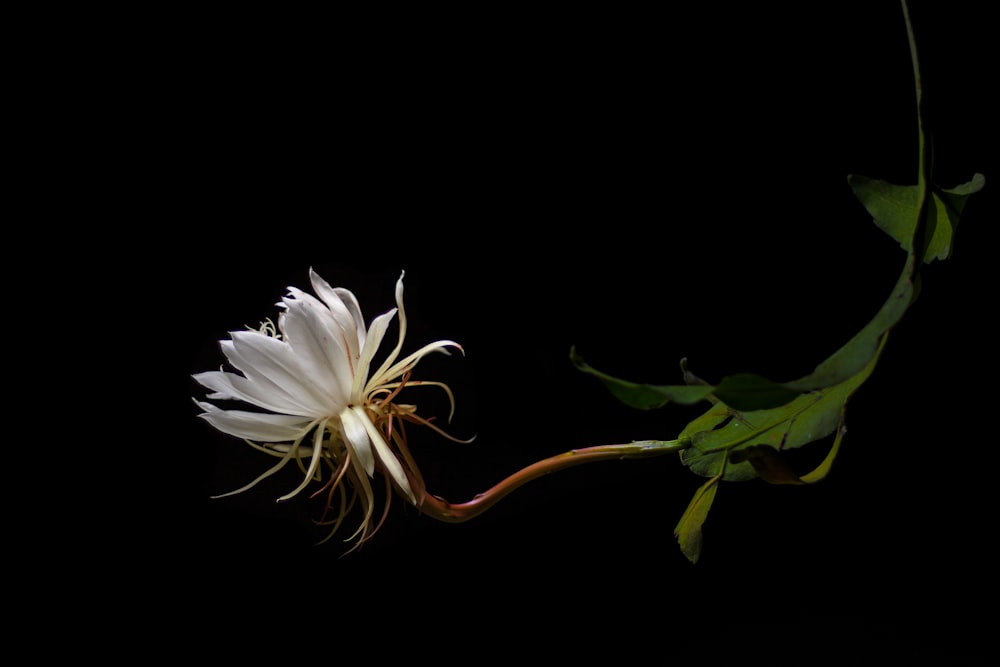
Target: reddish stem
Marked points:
441	509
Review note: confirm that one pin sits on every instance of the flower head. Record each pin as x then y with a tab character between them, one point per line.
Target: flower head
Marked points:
321	403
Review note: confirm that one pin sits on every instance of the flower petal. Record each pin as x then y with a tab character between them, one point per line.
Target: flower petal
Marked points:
320	343
277	360
254	425
376	332
356	436
345	309
391	357
236	387
385	455
389	374
278	398
354	308
317	451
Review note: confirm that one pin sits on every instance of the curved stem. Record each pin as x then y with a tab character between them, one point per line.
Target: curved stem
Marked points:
441	509
921	232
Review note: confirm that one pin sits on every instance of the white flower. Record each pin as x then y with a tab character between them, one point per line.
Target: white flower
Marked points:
319	400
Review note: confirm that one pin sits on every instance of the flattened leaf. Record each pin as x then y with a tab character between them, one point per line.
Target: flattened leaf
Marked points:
643	396
688	530
859	351
713	435
821	418
771	466
974	185
743	391
894	209
721	437
747	391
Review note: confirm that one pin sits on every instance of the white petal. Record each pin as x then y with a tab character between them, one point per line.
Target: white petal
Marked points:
385	455
376	332
355	309
391	357
236	387
320	344
276	359
254	425
317	451
389	374
263	387
345	309
356	435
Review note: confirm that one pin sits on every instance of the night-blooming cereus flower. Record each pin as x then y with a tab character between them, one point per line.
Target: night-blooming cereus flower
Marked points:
320	402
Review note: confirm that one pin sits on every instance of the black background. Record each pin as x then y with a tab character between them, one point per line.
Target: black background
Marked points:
644	186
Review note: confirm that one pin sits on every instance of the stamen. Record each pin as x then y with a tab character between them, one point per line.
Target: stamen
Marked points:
385	513
338	474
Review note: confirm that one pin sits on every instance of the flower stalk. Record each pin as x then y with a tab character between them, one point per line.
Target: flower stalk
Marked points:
442	510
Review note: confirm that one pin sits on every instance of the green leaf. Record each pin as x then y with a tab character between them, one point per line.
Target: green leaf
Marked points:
771	466
643	396
747	391
897	207
859	351
721	436
688	530
744	390
895	210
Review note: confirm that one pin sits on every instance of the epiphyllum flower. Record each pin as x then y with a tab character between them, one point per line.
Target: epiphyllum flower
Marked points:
322	403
